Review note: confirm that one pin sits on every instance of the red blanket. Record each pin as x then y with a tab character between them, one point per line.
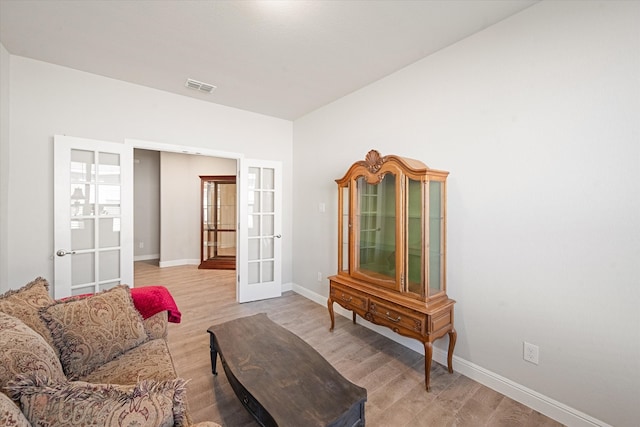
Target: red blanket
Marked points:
150	300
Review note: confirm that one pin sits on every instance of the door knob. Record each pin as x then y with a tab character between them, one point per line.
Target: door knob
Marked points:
62	252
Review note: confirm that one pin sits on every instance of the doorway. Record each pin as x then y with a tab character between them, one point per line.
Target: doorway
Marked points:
167	204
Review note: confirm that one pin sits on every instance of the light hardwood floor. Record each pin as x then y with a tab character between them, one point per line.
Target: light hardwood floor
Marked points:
392	374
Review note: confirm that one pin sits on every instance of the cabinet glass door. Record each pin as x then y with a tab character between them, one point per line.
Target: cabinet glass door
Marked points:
415	232
436	238
345	226
375	230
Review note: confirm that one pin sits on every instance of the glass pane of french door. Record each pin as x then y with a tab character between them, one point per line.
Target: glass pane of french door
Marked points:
261	237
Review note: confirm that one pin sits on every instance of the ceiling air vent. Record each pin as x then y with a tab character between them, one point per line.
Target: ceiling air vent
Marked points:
202	87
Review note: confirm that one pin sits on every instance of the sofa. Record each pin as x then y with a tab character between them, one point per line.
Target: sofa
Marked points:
87	360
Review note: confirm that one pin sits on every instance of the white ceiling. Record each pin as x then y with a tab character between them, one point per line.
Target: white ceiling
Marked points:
279	58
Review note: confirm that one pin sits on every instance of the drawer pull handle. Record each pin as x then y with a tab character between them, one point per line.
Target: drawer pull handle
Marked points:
345	299
396	320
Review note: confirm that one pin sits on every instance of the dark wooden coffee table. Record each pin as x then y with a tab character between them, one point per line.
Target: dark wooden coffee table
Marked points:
280	379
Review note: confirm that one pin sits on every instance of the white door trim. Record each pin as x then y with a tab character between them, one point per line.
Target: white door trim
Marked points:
183	149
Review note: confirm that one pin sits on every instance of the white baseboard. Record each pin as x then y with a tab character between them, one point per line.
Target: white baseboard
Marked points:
146	257
539	402
177	262
287	287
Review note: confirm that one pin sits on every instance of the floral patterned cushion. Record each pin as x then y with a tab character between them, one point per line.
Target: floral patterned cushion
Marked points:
156	325
77	403
149	361
10	414
24	303
22	351
90	331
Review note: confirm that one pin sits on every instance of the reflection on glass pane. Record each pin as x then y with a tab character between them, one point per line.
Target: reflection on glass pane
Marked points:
434	273
109	199
376	227
109	265
414	236
227	217
109	210
267	200
254	225
82	166
267	225
267	247
254	201
109	168
109	232
435	198
254	249
435	237
83	290
82	199
345	228
82	234
415	273
226	243
268	179
254	272
82	269
253	178
109	285
267	271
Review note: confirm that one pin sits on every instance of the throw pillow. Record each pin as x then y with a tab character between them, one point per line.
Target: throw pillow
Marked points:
24	303
22	351
10	414
90	331
149	403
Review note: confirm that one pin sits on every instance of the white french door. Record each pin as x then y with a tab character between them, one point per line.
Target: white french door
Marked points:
93	215
259	262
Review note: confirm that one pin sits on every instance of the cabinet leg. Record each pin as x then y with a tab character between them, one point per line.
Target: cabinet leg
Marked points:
353	313
330	307
453	336
428	356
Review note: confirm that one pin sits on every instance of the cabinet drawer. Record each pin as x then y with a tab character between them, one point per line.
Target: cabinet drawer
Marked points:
440	321
348	298
395	316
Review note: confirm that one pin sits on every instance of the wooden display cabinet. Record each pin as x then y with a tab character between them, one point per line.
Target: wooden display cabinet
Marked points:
218	222
391	250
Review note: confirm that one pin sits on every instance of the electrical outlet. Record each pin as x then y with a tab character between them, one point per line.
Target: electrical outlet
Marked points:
531	353
319	276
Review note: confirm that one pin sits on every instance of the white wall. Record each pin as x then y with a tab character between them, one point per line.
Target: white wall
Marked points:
47	99
538	120
180	204
146	204
4	166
